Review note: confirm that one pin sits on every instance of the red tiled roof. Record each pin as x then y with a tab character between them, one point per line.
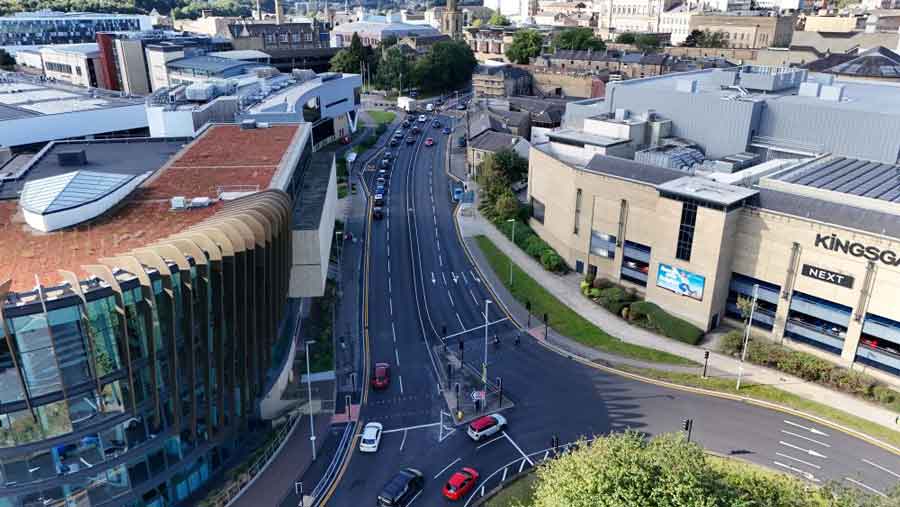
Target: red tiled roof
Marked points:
224	156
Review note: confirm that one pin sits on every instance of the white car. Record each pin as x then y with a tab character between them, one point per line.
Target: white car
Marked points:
486	426
422	118
371	437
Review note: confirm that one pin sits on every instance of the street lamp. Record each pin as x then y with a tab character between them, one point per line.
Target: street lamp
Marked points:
513	220
312	433
747	337
484	364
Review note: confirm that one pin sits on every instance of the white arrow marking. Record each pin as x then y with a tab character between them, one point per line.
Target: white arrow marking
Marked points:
455	277
807	451
813	440
802	473
810	429
433	280
444	277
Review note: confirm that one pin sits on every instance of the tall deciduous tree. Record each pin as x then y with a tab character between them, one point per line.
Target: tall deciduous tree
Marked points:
393	70
526	45
498	19
579	39
447	65
705	39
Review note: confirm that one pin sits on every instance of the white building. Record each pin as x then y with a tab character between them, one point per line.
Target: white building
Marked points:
78	64
677	22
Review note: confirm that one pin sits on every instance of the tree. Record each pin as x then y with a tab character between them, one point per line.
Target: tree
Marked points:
625	38
579	39
477	23
343	61
646	42
393	69
349	60
498	19
705	39
498	171
526	45
388	41
447	65
745	305
507	205
7	62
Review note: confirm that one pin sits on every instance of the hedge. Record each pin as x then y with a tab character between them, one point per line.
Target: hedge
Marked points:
811	368
531	243
608	295
654	317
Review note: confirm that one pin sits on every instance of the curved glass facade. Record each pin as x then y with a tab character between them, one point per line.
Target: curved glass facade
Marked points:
130	387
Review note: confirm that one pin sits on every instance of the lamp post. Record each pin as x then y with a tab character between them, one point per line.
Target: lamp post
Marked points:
312	430
484	364
513	220
747	336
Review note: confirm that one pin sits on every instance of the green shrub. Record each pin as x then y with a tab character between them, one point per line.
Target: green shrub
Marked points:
885	395
535	247
552	261
593	293
666	324
602	283
584	285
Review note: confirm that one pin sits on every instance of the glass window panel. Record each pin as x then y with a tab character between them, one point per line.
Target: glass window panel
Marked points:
157	462
104	329
10	384
135	432
82	409
138	473
114	400
19	428
36	355
70	345
54	419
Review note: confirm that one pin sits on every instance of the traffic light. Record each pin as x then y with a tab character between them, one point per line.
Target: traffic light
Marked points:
687	424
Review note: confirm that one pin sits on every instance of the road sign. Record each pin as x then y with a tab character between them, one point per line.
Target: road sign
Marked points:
477	395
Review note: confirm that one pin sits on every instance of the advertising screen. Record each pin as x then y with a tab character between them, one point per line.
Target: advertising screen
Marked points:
680	281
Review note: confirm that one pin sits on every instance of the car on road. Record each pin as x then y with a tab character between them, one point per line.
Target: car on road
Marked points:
395	141
436	124
422	118
379	199
460	483
486	426
429	142
457	194
429	107
371	437
402	488
388	154
415	131
381	379
439	101
405	124
385	163
377	212
380	180
350	157
410	140
461	107
446	130
461	142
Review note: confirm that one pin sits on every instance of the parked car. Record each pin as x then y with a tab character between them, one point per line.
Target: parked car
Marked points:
410	140
436	124
429	142
377	212
381	379
402	488
460	483
446	130
461	142
371	437
486	426
457	194
379	199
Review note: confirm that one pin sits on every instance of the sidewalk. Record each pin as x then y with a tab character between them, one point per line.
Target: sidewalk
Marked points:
566	289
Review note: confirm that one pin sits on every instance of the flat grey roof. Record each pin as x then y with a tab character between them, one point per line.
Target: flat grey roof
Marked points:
580	136
848	176
313	191
705	189
121	156
631	170
14	113
493	141
206	63
875	222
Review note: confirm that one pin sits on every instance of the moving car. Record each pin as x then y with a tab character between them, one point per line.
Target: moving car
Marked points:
415	130
371	438
405	124
410	140
436	124
381	379
379	199
385	163
460	483
457	194
429	142
486	426
461	107
395	141
388	154
402	488
429	107
422	118
377	212
446	130
461	142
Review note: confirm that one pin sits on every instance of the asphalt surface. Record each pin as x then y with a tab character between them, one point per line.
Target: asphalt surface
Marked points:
421	283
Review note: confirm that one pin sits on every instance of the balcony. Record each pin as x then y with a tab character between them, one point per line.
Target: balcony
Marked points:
816	336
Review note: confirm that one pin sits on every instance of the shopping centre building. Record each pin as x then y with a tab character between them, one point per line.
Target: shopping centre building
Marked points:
144	306
817	234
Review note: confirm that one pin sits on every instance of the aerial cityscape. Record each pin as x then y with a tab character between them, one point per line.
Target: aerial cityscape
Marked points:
486	253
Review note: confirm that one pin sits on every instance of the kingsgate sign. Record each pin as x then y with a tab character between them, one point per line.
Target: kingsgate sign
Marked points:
872	253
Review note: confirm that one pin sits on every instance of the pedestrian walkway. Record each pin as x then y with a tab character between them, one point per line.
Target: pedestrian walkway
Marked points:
567	290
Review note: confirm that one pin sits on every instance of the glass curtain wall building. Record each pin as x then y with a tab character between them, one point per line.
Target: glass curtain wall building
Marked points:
128	387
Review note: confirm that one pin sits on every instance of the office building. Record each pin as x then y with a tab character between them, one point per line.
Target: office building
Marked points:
137	345
373	29
50	27
752	29
34	111
77	64
500	81
295	45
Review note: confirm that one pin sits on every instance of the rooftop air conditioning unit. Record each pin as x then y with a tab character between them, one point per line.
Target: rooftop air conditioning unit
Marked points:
200	202
179	202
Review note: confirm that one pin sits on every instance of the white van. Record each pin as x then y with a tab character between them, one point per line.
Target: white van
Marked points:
429	107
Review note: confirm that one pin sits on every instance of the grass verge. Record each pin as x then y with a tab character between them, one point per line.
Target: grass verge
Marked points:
774	395
518	492
382	116
562	318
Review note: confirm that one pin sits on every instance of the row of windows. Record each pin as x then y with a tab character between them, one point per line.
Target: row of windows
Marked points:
60	67
285	38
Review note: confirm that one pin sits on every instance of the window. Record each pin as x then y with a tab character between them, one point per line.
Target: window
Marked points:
309	36
537	210
283	37
270	38
686	231
577	210
603	245
296	37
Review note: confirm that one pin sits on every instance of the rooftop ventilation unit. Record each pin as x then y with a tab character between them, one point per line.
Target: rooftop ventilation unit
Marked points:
71	158
200	202
686	85
179	202
248	124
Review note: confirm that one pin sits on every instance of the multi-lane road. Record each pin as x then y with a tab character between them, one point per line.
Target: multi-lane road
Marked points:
420	281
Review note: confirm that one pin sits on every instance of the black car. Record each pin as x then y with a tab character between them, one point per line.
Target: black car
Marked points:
461	107
461	141
405	124
377	212
395	141
402	488
436	124
415	130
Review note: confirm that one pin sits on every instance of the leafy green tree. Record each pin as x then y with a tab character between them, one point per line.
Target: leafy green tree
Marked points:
447	65
498	19
705	39
343	61
526	45
579	39
7	62
646	42
477	23
499	171
393	69
625	38
388	41
507	205
349	60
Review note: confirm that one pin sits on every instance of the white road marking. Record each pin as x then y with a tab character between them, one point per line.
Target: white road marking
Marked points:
400	378
393	332
802	473
451	298
416	427
546	455
522	466
807	451
389	285
477	280
440	260
489	442
444	277
457	460
388	249
823	444
454	276
518	449
466	280
476	328
391	303
505	469
460	321
397	358
810	429
883	469
403	442
807	463
473	296
433	281
866	486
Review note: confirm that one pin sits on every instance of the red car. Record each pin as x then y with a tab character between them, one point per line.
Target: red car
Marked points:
382	377
429	142
460	483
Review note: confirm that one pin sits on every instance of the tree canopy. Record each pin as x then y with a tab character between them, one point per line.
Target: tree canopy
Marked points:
447	65
7	62
498	171
705	39
526	44
625	38
349	60
498	19
579	39
393	69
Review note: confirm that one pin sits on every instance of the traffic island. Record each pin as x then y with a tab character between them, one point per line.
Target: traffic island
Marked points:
467	395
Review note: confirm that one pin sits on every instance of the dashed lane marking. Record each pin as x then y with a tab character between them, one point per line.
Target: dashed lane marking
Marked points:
813	440
883	469
865	486
798	460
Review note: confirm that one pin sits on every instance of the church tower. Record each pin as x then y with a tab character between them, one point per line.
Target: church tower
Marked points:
451	22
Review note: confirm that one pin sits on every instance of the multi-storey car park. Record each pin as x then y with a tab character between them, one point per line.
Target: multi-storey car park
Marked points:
145	286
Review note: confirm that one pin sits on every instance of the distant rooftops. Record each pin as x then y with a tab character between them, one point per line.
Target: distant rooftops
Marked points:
206	63
22	97
87	48
44	14
849	176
